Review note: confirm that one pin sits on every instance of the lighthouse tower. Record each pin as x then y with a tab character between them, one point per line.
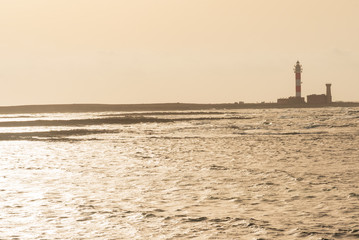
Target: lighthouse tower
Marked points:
329	93
298	80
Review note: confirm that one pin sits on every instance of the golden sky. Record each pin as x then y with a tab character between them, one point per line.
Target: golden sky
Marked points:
148	51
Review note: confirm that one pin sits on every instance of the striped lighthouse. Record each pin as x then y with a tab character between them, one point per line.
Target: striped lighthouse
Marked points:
298	80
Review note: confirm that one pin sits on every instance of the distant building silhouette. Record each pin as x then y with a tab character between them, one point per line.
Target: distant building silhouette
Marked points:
329	92
311	99
322	98
291	100
298	69
317	99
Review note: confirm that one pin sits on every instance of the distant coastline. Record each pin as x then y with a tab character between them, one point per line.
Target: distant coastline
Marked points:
72	108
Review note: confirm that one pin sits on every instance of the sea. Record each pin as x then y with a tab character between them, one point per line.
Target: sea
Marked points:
253	174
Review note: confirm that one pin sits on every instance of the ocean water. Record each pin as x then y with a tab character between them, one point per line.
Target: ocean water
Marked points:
221	174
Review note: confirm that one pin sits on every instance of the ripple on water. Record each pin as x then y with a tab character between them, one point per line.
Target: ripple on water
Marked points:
295	178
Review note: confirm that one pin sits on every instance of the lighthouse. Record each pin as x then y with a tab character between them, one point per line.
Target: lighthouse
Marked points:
298	79
311	99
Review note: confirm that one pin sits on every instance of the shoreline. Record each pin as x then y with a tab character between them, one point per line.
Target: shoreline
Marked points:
74	108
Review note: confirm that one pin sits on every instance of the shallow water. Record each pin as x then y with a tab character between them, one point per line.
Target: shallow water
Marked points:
246	174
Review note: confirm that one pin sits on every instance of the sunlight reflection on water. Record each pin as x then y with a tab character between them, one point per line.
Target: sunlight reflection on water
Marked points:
278	174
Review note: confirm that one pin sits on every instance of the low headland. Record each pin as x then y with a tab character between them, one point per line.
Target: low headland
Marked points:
73	108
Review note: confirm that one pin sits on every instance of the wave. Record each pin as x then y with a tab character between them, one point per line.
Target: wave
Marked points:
171	113
280	133
111	120
51	135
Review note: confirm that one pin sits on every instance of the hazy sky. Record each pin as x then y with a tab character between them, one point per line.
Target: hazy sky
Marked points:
147	51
